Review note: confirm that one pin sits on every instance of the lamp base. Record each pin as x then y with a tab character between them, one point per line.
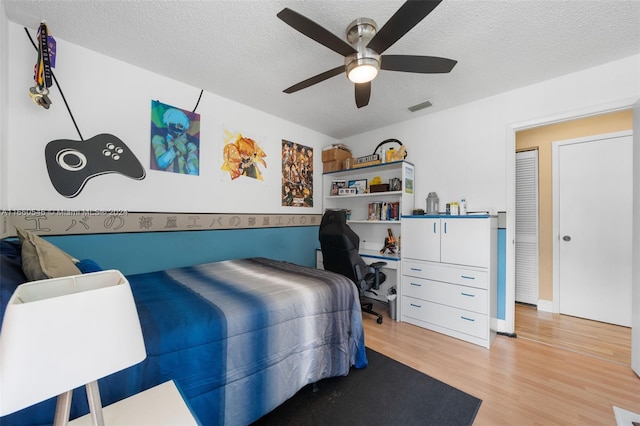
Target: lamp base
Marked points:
63	406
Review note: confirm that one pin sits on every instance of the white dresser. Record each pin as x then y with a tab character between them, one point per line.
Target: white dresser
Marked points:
449	275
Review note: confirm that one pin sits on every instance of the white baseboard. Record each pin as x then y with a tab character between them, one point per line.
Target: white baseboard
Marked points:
545	305
501	326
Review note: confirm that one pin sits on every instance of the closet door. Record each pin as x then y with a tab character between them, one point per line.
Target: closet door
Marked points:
527	227
593	223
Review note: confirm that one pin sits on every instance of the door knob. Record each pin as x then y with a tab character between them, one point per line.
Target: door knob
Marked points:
566	238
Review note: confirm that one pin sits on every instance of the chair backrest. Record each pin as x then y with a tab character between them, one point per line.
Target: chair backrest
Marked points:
340	246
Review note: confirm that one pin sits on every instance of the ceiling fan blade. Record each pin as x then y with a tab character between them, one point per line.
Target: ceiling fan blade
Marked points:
314	31
363	93
315	79
407	17
421	64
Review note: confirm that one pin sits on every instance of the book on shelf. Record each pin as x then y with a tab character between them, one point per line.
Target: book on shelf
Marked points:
383	210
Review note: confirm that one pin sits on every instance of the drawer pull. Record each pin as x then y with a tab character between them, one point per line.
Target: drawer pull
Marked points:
416	284
467	319
416	306
467	294
466	277
416	269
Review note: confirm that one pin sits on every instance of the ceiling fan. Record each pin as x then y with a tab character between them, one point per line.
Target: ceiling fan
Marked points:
363	56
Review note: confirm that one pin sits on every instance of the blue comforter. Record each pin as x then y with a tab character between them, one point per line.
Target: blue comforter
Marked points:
238	337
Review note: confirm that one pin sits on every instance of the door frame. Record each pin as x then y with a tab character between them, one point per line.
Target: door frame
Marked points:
508	325
555	146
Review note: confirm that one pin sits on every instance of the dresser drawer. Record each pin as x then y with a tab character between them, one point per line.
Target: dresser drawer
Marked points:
474	277
458	296
458	320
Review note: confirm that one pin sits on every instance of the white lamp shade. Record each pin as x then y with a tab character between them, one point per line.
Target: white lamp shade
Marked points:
62	333
363	73
362	69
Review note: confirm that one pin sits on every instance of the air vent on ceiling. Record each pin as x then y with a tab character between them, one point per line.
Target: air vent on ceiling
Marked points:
418	107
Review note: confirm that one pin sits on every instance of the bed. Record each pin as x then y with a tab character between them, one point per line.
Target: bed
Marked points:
238	337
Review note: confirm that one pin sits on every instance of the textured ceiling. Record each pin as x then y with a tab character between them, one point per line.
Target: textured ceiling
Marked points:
240	50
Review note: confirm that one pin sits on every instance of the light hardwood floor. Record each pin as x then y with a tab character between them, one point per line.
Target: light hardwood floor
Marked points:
606	341
520	381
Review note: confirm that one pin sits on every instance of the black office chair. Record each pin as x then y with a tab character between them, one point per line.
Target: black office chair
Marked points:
340	246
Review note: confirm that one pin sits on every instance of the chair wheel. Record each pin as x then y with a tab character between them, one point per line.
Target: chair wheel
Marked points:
379	320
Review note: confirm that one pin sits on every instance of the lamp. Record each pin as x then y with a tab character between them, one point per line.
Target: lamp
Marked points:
363	65
362	70
62	333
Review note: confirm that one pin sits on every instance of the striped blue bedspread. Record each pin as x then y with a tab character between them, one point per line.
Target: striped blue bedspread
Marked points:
239	337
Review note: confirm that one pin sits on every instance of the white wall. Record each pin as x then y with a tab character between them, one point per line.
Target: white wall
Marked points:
635	259
461	152
4	111
469	151
110	96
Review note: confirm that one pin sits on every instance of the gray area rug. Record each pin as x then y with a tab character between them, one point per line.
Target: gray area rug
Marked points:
385	393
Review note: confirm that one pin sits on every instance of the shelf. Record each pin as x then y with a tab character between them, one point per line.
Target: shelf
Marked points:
374	222
368	169
478	215
374	233
369	194
376	254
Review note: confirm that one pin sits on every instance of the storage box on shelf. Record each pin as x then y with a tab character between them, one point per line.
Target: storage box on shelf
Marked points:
372	214
335	153
449	275
334	159
333	166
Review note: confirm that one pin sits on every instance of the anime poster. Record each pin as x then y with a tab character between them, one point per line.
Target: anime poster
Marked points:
242	156
297	175
175	139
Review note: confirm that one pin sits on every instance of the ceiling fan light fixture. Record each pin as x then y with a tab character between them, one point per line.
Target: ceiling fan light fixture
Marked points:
363	53
362	70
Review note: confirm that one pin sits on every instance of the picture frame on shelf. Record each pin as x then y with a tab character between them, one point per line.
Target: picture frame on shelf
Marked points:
347	191
359	184
336	185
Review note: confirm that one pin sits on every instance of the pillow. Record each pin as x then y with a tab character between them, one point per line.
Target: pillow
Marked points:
42	260
87	266
11	274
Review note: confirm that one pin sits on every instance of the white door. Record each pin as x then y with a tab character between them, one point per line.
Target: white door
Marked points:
527	227
592	225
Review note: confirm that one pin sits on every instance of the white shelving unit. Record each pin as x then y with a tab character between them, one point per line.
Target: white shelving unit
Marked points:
372	233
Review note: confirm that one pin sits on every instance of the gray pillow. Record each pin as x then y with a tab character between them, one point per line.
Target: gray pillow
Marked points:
42	260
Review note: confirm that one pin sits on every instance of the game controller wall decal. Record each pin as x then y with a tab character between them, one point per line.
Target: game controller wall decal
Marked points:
72	163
